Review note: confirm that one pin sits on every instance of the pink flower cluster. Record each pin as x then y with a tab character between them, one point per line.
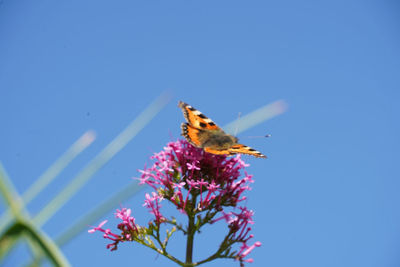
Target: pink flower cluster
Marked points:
128	228
199	184
182	169
153	204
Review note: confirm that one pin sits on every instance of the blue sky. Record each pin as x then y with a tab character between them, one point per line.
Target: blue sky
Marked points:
328	194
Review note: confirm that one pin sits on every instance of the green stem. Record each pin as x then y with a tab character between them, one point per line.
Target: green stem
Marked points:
162	252
224	245
190	237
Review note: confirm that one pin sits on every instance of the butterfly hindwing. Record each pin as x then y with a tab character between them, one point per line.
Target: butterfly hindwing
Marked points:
239	148
197	119
196	137
218	152
191	134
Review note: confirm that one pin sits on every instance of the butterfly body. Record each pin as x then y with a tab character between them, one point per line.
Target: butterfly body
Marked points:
202	132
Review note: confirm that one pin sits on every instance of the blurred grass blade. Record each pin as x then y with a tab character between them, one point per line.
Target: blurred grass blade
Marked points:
9	193
48	176
34	249
264	113
103	157
9	238
84	222
81	144
41	240
48	247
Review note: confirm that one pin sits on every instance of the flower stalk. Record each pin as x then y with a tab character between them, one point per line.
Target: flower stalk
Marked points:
190	238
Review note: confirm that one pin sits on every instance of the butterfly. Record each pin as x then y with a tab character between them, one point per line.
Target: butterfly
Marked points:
201	131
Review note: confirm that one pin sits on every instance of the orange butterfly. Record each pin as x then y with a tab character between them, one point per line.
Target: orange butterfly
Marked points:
202	132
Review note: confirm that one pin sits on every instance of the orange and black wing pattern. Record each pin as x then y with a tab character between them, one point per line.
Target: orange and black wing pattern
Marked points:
242	149
192	134
202	132
218	151
197	119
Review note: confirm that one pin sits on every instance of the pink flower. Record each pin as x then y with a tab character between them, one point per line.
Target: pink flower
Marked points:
153	204
192	166
245	250
97	228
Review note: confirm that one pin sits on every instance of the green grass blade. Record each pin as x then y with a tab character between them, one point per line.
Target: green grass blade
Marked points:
48	247
36	252
82	224
9	238
103	157
21	226
9	193
54	170
48	176
252	119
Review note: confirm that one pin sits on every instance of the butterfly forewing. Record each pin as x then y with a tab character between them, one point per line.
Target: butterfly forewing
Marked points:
197	119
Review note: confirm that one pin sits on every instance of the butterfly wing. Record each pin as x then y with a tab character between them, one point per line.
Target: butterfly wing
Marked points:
197	119
218	152
239	148
193	135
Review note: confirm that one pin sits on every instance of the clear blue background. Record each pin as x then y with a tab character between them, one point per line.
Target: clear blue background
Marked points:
328	195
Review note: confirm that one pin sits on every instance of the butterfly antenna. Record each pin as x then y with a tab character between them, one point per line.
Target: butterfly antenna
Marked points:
237	124
258	136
